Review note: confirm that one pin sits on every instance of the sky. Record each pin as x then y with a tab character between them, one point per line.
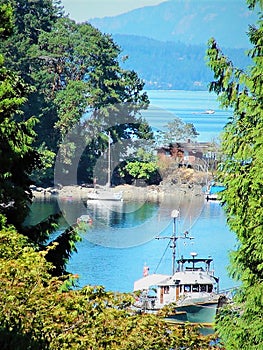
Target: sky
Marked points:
82	10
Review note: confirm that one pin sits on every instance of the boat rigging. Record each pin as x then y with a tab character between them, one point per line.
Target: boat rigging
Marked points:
175	214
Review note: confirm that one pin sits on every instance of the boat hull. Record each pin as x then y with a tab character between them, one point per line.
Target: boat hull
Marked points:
211	197
196	313
213	191
100	196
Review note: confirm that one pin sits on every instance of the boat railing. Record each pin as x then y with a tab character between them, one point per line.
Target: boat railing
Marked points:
229	293
189	268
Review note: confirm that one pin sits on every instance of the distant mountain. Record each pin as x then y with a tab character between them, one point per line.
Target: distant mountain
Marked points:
170	65
192	22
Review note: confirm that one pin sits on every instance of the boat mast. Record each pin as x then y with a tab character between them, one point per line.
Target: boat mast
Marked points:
109	159
175	213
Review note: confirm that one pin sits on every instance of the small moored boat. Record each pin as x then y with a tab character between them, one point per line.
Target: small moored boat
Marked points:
192	291
105	195
84	219
209	111
212	191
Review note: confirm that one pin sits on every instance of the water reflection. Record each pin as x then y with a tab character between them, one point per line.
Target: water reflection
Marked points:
121	224
40	210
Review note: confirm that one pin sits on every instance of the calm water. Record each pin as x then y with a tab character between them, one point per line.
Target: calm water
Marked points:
190	107
122	237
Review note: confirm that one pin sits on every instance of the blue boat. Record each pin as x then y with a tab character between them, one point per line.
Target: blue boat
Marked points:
212	191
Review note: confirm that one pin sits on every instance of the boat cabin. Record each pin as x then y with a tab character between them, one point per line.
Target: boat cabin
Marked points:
192	282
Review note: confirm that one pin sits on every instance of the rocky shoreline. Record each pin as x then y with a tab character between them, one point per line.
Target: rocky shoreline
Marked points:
130	192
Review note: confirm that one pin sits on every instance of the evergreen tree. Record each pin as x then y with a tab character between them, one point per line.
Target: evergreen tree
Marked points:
71	68
18	158
17	155
85	77
240	326
177	131
74	69
30	19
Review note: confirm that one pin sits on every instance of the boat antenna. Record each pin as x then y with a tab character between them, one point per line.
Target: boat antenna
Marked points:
174	215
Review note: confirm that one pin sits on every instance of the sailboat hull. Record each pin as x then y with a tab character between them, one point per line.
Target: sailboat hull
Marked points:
105	196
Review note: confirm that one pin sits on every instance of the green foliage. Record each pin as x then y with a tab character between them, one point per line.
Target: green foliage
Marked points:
141	170
6	20
18	159
71	103
30	19
42	176
40	312
62	248
73	69
84	63
177	130
253	3
143	165
83	73
241	173
17	155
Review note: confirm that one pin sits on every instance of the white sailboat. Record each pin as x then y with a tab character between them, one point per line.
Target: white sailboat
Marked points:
106	193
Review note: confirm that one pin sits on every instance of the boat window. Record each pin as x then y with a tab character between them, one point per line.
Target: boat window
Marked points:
210	288
195	288
187	288
166	289
203	288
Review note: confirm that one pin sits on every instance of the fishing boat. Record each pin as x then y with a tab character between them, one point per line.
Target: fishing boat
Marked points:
191	291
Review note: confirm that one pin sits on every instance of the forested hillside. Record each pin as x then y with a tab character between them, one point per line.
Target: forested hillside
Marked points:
166	43
171	65
191	22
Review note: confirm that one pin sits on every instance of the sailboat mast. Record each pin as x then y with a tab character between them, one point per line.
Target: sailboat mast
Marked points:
109	160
